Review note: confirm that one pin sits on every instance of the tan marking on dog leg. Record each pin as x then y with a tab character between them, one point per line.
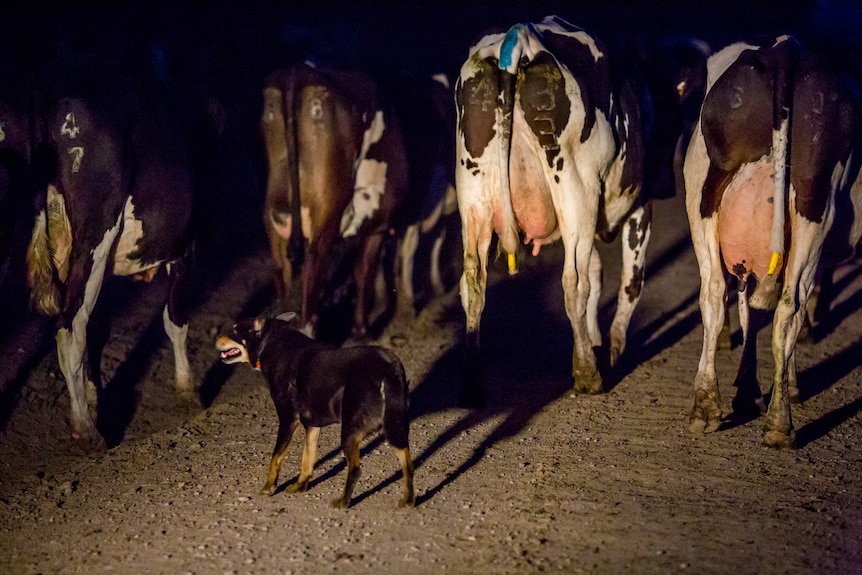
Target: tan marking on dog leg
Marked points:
351	453
309	458
285	434
408	499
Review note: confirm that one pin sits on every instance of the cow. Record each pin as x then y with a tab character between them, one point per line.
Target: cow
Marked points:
342	179
768	177
118	202
550	144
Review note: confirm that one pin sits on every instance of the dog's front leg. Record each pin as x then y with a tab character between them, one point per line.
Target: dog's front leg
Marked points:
309	458
351	453
286	429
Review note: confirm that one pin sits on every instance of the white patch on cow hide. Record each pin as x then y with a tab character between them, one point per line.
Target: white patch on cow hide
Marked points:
369	181
719	62
282	228
70	127
589	42
132	232
78	154
442	79
368	190
372	134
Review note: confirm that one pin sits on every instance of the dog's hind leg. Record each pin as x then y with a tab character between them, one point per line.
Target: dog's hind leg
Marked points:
351	453
309	458
408	499
286	429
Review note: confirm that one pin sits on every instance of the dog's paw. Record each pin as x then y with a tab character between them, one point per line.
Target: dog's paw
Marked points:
340	503
298	487
267	490
407	501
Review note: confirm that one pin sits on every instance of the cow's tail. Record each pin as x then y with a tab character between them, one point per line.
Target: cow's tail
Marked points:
511	51
295	249
44	292
781	115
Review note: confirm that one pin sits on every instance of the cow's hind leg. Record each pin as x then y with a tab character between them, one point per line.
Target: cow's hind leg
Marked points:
365	274
476	235
87	273
799	275
635	238
579	247
176	321
706	412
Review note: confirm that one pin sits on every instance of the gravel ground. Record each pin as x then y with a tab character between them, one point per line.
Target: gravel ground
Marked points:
541	480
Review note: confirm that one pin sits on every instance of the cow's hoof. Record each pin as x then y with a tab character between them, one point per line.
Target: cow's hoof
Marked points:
588	383
340	503
705	413
188	398
91	442
779	439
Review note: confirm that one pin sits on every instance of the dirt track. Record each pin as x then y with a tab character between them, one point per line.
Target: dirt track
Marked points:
540	480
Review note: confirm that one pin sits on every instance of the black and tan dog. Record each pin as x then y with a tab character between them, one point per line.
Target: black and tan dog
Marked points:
362	387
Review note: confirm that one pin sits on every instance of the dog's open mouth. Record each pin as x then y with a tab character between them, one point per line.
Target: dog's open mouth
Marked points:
230	353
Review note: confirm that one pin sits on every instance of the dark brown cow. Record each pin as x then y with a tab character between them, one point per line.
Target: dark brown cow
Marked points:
118	202
768	179
344	168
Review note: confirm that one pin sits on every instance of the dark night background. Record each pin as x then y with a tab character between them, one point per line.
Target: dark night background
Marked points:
230	46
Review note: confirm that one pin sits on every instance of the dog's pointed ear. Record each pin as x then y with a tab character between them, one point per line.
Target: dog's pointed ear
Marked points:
258	324
287	316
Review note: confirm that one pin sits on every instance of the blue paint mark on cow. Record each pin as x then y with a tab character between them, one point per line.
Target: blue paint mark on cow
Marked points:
509	44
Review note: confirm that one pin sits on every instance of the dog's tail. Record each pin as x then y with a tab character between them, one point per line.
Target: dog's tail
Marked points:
396	403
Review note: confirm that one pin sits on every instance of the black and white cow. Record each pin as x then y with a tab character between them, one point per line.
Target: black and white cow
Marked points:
768	176
118	202
550	145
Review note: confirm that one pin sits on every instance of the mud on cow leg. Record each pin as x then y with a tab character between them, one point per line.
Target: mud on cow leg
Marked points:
706	412
586	376
778	430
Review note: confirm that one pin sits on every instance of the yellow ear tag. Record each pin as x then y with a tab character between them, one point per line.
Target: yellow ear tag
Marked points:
773	263
513	267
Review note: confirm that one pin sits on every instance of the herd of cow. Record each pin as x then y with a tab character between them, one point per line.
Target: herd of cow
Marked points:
549	133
